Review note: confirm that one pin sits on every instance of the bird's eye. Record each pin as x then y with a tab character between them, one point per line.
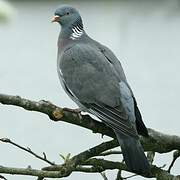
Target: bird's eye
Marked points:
67	13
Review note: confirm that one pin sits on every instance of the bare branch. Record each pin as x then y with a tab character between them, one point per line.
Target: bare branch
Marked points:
157	142
160	142
40	178
128	177
37	173
6	140
103	174
85	155
66	170
56	113
111	152
150	156
119	177
176	154
2	177
155	171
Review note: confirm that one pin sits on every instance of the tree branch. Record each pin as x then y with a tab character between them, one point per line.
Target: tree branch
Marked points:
176	154
119	177
85	155
67	168
2	177
44	158
99	165
104	176
34	172
56	113
110	165
157	142
110	152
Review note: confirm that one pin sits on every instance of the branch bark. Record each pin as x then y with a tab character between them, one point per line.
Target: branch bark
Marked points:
157	142
35	172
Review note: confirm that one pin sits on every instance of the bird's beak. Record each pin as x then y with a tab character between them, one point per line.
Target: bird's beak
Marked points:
55	18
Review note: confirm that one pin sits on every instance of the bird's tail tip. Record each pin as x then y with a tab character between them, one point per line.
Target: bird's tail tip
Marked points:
134	156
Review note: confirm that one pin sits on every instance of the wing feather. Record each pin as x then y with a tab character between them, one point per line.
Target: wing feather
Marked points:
113	119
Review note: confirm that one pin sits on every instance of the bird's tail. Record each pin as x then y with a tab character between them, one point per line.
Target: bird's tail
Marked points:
133	154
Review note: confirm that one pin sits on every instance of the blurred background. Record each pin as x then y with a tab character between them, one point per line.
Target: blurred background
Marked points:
145	36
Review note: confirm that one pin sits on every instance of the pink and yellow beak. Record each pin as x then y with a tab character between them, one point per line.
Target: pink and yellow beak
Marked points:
55	18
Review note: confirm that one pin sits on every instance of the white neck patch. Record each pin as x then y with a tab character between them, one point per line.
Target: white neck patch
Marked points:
77	32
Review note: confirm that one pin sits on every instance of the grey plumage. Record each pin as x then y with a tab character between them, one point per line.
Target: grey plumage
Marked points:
93	77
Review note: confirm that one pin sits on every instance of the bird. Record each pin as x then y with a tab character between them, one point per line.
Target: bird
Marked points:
93	77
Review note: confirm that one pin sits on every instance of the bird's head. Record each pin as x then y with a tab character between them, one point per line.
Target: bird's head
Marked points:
66	15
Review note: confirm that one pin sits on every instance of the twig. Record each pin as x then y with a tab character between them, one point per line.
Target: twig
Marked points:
85	155
6	140
111	152
103	174
2	177
119	177
40	178
128	177
176	154
150	156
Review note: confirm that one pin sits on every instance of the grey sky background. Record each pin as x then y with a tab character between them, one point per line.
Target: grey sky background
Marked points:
145	37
